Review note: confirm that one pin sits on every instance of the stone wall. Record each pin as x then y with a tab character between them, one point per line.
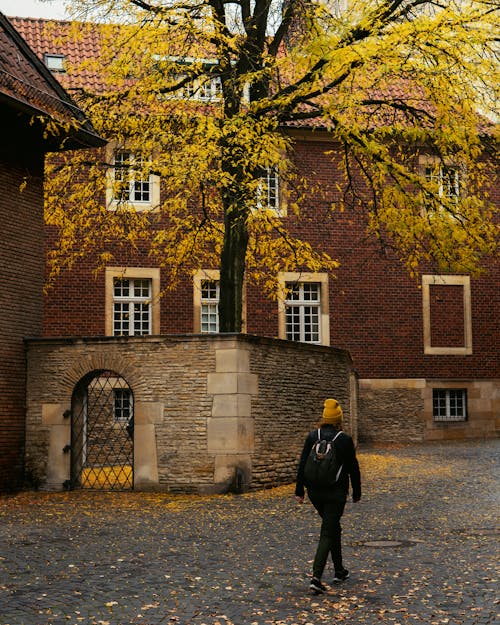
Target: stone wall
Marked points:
400	410
212	412
294	380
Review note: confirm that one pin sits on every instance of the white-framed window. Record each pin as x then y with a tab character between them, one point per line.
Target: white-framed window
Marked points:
303	312
447	178
209	306
210	89
131	306
202	88
122	405
268	190
55	62
206	301
449	404
130	183
132	296
303	309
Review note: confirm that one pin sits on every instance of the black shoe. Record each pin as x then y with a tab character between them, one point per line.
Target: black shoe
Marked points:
340	576
317	586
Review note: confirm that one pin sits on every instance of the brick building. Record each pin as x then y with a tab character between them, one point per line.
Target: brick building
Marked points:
27	90
426	349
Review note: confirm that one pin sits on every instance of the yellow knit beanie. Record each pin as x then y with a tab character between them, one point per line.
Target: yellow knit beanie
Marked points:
332	412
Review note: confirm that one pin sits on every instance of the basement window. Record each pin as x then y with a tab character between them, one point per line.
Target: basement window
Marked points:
449	404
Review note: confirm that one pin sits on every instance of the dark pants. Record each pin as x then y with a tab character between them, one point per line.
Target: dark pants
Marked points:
330	535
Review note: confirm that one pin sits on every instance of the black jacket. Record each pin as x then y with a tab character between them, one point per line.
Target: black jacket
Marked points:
344	447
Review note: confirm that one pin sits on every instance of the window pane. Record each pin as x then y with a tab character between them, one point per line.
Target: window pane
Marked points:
209	318
311	324
121	321
122	404
141	319
121	287
311	291
209	290
133	184
293	324
142	288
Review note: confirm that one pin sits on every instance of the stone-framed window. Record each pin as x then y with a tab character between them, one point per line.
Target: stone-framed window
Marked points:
303	312
206	301
130	183
448	178
269	191
449	404
132	301
131	306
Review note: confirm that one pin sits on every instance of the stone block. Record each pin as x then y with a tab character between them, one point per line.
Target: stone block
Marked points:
232	361
145	457
53	414
148	412
231	406
230	434
58	462
226	468
230	383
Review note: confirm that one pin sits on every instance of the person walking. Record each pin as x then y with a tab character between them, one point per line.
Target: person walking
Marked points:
330	501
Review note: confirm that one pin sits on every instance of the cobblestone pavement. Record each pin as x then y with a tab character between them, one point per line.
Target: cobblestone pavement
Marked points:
422	546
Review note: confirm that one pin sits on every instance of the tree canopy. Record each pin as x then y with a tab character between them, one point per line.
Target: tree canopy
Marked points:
204	91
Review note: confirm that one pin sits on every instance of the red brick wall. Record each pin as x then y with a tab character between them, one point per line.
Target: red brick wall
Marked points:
375	307
21	277
447	315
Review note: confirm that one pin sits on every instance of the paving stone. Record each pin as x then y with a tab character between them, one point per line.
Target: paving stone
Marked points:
422	546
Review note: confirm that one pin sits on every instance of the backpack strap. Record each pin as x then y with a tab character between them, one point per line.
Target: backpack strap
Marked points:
333	439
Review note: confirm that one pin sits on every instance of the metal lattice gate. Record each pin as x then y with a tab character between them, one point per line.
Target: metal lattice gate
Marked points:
102	433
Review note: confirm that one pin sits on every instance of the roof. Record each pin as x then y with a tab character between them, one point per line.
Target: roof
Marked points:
27	86
55	37
408	100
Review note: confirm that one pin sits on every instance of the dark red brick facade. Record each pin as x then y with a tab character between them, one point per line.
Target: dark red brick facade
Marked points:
21	276
376	309
28	94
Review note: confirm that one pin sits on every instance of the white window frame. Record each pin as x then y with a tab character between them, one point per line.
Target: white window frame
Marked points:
464	281
118	416
440	175
132	273
209	308
450	396
286	278
112	183
435	170
269	195
209	275
132	307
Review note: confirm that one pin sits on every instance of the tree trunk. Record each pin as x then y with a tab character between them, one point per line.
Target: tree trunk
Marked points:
232	269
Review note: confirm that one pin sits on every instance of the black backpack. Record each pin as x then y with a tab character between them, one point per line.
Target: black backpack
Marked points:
322	468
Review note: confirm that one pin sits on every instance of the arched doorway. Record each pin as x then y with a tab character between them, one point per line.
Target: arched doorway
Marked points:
102	433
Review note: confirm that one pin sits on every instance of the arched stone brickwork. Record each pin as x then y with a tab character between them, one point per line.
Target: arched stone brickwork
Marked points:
211	412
